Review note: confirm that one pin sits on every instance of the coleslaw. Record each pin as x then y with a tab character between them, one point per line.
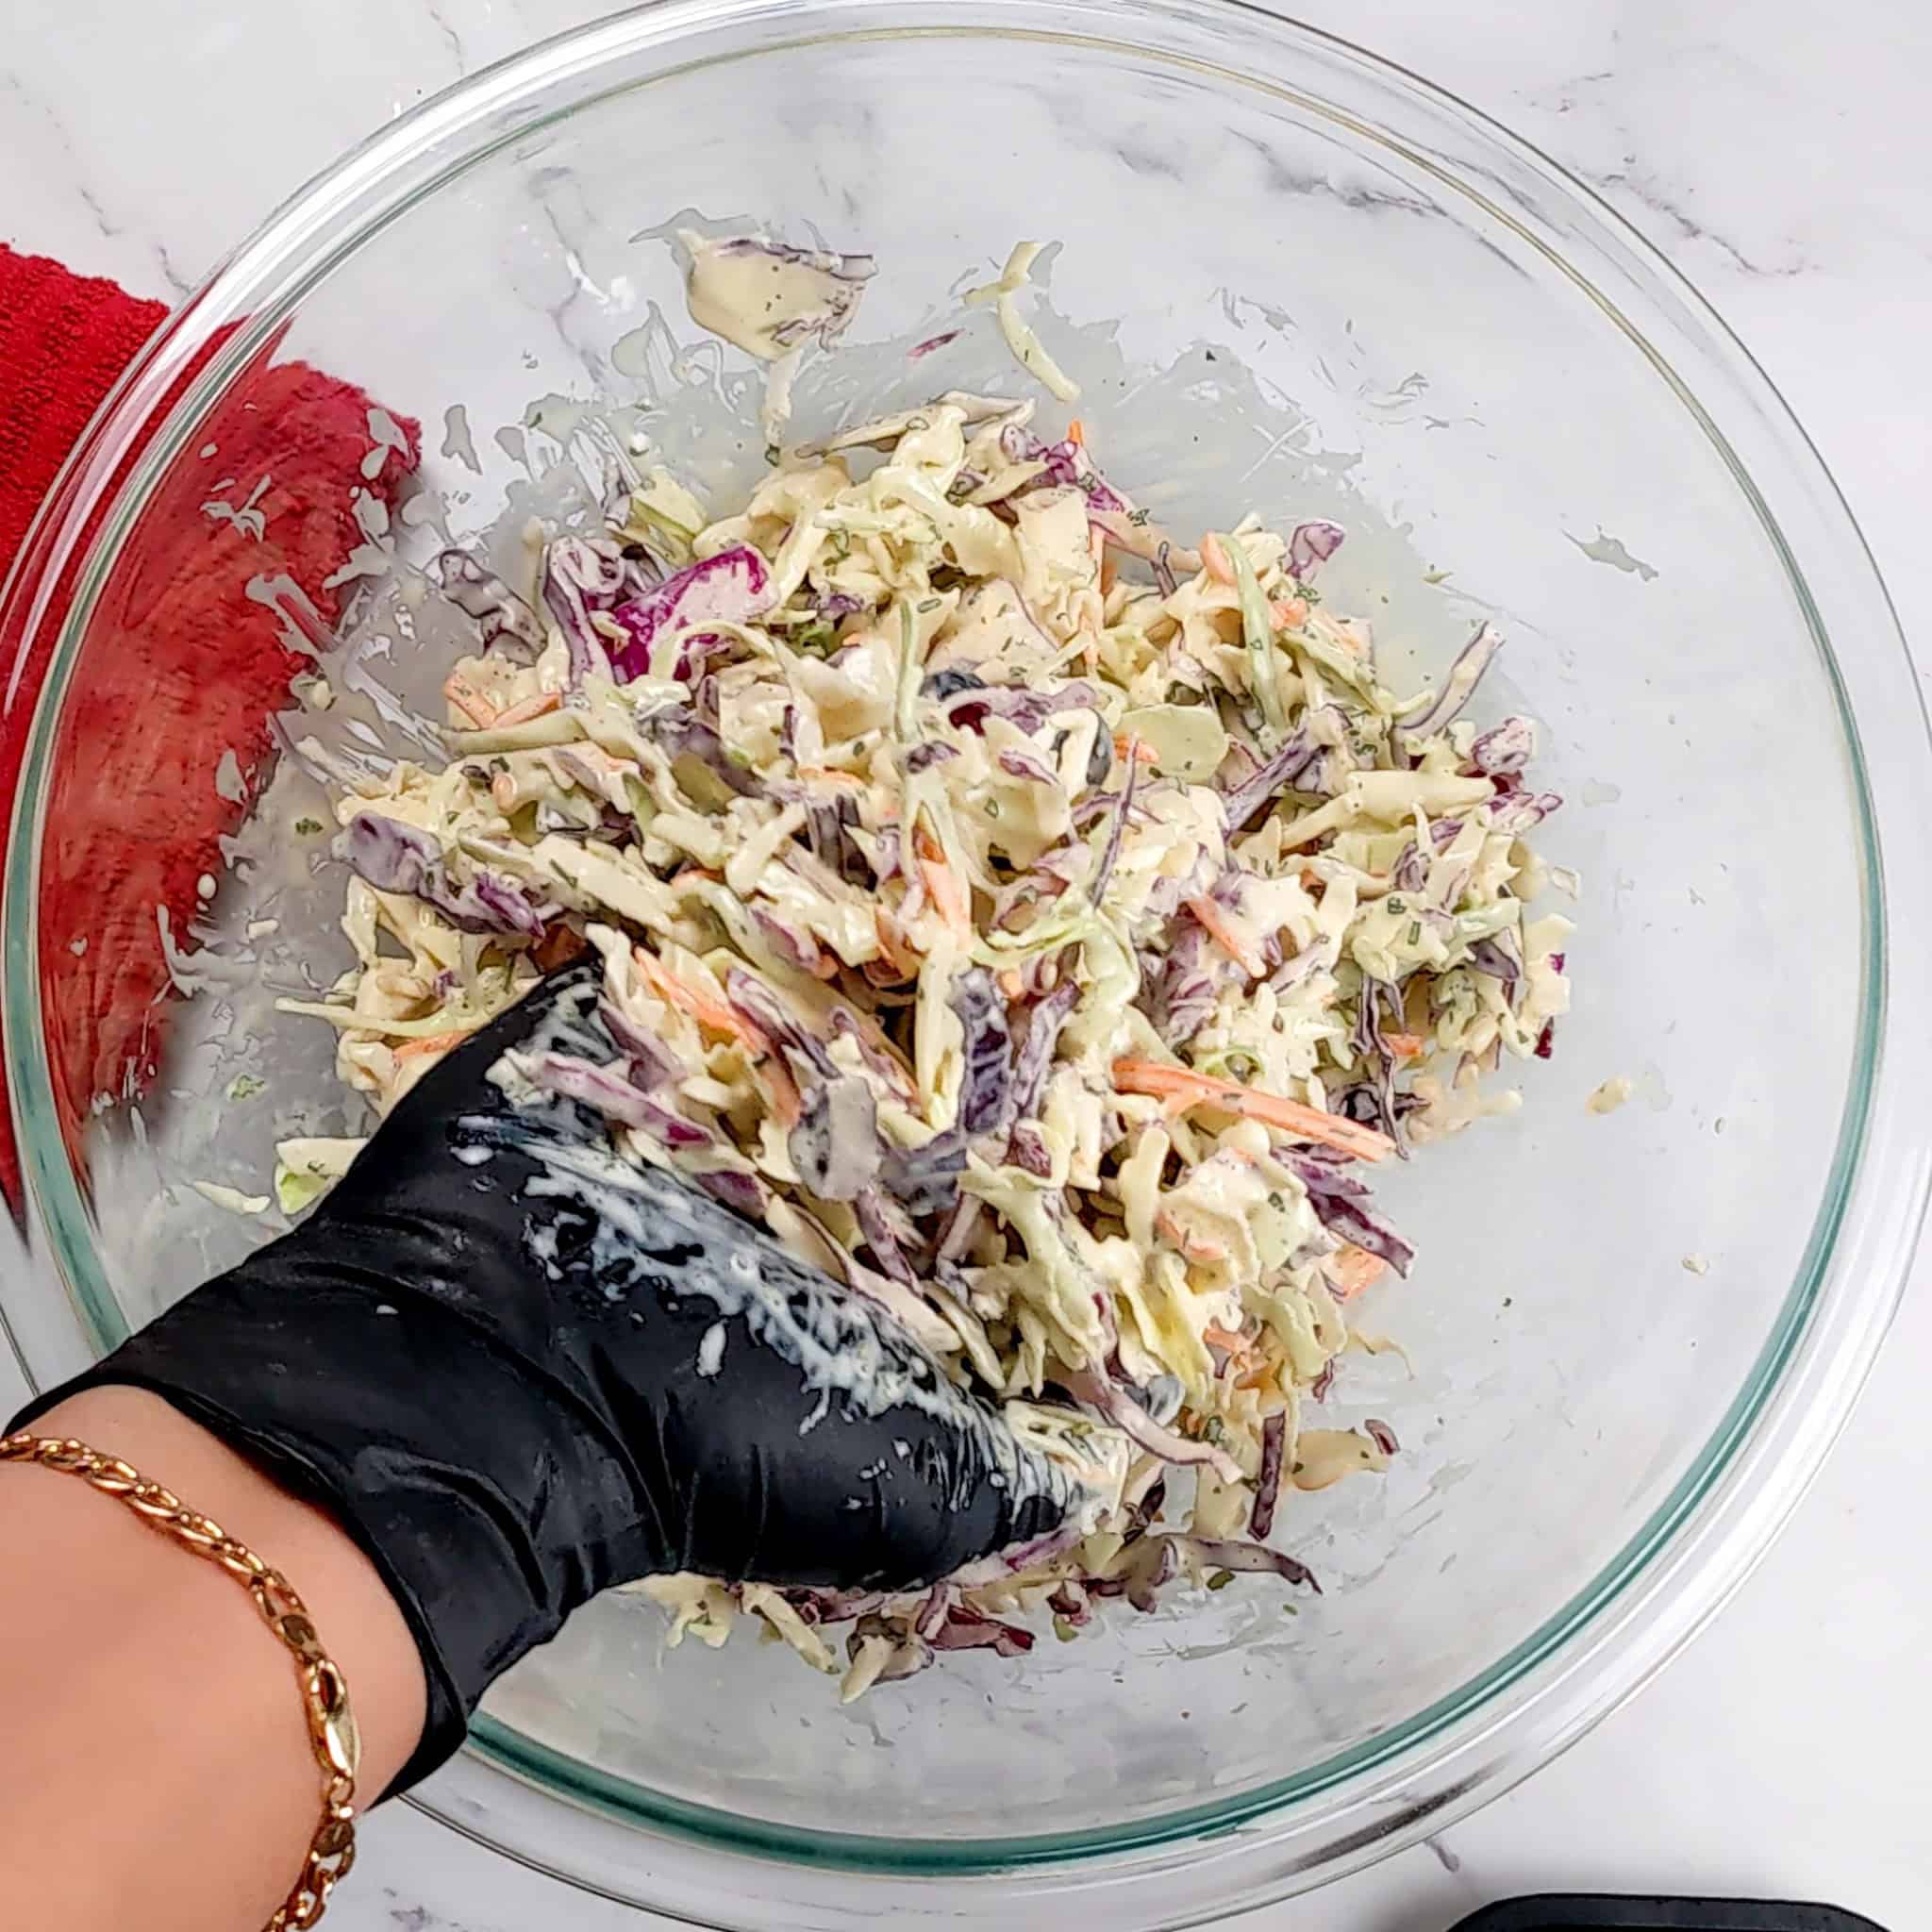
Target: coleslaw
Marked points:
1040	923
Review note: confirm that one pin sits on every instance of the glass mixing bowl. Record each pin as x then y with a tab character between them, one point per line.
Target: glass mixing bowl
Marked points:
1293	277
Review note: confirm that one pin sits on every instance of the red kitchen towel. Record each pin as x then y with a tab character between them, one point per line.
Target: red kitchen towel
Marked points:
181	666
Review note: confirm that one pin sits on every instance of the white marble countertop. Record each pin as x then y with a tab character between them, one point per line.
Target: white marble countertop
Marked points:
1777	153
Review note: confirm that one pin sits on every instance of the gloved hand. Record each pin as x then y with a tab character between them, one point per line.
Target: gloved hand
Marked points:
519	1371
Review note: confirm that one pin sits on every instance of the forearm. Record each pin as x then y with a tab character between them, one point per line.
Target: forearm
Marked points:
154	1725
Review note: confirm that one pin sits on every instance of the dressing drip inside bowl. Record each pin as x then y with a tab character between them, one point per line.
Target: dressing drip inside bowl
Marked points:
1289	280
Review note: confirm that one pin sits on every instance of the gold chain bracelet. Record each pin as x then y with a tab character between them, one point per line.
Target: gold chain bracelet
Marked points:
324	1697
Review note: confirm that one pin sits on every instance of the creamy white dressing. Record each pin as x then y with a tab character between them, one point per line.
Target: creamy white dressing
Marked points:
1609	1097
754	299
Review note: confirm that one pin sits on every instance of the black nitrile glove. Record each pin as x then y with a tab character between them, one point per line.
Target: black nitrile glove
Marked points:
520	1370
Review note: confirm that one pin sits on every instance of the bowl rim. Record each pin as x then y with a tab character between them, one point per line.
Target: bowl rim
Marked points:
1721	1511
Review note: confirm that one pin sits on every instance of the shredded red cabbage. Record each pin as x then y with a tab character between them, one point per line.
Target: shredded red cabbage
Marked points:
1465	673
1268	1482
652	1063
921	757
1187	984
1345	1207
738	1192
1028	709
1523	809
480	594
1045	1020
1141	1579
1026	1149
1492	957
870	1208
1506	749
592	1086
966	1629
776	1021
1378	1063
1289	761
1312	544
731	588
1117	1404
827	827
1027	765
924	1179
572	1077
1229	1554
987	1088
791	944
821	1606
582	575
1071	1606
396	858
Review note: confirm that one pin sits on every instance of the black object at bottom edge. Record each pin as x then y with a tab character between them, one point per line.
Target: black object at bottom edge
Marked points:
1596	1912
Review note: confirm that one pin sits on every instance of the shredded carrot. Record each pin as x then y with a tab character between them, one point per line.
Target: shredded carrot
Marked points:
1013	982
1289	614
768	1063
703	1008
434	1042
1181	1087
537	706
1404	1046
1224	936
1354	1269
1226	1338
1193	1246
1109	575
1215	557
1076	433
831	774
894	943
948	895
469	700
1138	748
